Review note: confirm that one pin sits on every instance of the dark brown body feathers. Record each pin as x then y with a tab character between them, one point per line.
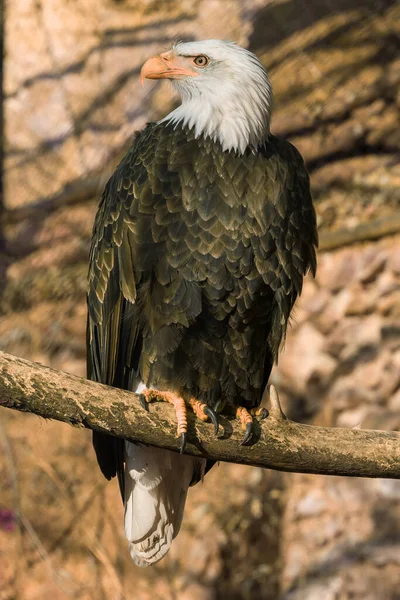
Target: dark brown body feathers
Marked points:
197	258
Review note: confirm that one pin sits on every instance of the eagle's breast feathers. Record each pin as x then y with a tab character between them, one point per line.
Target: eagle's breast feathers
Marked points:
197	258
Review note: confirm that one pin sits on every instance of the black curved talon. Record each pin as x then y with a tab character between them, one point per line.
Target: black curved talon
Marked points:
213	418
143	403
183	442
264	413
217	406
249	433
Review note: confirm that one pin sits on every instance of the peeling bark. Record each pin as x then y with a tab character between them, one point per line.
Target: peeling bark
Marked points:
278	443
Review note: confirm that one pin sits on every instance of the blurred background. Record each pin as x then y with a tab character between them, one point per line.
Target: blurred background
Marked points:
71	102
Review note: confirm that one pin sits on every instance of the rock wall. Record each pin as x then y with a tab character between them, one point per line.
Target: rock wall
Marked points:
73	98
343	351
72	102
342	365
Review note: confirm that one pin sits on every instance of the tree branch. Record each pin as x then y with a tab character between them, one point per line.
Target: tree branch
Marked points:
279	443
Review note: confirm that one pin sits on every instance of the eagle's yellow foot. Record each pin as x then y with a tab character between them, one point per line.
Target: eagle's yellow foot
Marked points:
247	423
204	412
259	412
179	405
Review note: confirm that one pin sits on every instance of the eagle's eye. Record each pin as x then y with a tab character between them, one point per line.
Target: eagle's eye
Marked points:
201	61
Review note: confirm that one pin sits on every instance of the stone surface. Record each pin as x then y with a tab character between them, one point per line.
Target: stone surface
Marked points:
394	263
72	101
373	268
332	553
394	402
73	98
337	271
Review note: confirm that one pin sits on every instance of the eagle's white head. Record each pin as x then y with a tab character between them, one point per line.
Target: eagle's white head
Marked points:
225	90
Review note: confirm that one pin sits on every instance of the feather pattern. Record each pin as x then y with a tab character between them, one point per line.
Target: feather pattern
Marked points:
157	482
197	258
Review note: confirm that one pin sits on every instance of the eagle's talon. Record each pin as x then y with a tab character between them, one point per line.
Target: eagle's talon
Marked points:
263	413
143	403
249	433
217	406
183	442
213	418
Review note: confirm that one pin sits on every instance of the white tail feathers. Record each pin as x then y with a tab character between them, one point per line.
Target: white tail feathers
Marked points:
156	484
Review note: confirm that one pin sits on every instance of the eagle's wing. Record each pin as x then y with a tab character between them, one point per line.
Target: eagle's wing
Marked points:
113	336
153	482
284	250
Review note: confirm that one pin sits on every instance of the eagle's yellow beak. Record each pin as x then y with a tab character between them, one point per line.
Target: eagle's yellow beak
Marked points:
167	66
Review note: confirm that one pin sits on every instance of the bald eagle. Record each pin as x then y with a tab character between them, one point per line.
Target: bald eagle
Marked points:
200	245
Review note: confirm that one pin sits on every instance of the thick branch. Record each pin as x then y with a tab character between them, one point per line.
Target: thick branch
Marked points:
280	444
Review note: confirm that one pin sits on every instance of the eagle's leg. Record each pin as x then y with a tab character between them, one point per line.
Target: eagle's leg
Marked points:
178	404
247	423
203	412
